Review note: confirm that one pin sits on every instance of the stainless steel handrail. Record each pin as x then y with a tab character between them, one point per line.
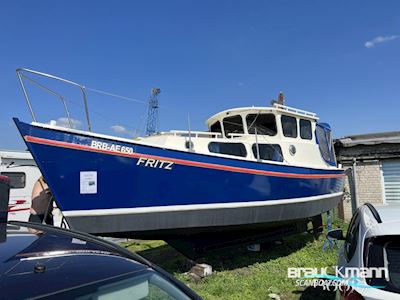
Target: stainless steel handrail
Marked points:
53	93
20	75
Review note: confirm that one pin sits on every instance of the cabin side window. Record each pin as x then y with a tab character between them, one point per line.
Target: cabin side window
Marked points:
264	123
268	152
216	127
236	149
17	179
305	129
289	126
233	124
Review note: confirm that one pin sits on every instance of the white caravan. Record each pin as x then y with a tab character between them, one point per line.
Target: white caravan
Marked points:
23	172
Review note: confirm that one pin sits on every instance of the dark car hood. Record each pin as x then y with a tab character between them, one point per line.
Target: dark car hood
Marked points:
32	258
28	241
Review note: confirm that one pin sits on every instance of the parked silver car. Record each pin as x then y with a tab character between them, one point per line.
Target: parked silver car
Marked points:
370	256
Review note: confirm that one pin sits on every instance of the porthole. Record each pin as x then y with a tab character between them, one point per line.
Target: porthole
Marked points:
292	150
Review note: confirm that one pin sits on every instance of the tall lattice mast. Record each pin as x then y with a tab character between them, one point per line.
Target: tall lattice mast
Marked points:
152	116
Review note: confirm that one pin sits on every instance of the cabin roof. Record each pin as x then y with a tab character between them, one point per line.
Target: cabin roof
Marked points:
277	109
15	154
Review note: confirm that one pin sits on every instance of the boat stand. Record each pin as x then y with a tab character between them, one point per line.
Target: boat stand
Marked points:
329	241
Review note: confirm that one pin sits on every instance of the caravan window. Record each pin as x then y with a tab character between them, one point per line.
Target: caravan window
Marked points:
289	126
268	152
305	129
236	149
265	124
233	124
17	179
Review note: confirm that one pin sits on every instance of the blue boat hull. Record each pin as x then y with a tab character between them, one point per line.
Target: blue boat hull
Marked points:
175	189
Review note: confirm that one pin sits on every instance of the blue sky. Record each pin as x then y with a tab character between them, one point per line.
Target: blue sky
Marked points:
337	58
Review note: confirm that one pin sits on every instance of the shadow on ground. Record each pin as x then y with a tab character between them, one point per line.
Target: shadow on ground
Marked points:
224	259
311	293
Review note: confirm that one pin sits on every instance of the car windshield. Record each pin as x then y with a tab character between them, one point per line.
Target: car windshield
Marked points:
144	285
384	251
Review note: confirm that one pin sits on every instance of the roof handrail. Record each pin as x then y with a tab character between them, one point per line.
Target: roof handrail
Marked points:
295	110
193	133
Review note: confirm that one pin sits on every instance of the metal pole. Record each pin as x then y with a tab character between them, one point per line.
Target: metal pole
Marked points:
257	148
67	112
354	201
26	96
86	108
190	134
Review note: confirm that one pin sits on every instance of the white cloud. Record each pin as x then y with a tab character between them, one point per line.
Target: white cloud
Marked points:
63	122
122	130
118	128
380	39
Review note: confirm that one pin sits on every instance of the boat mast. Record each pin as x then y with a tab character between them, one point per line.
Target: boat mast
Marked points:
152	116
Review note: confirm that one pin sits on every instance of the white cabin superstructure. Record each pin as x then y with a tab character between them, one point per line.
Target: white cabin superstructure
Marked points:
278	134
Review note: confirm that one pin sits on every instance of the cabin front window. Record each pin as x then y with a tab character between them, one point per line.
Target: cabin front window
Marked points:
264	123
236	149
305	129
289	126
324	140
268	152
233	124
216	127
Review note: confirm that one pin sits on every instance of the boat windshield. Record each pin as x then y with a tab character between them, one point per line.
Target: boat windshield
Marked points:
233	124
325	143
264	123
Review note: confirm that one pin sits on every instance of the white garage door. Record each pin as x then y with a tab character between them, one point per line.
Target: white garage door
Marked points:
391	179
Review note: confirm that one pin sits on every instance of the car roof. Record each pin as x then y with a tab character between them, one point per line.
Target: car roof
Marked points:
389	213
385	222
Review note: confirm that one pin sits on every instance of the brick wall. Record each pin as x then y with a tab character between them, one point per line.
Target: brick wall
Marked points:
369	185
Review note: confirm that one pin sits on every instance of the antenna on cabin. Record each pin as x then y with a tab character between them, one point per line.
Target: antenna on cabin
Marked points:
189	143
152	115
280	100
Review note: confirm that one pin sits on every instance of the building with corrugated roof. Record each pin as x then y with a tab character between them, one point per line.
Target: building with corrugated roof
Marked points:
372	163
